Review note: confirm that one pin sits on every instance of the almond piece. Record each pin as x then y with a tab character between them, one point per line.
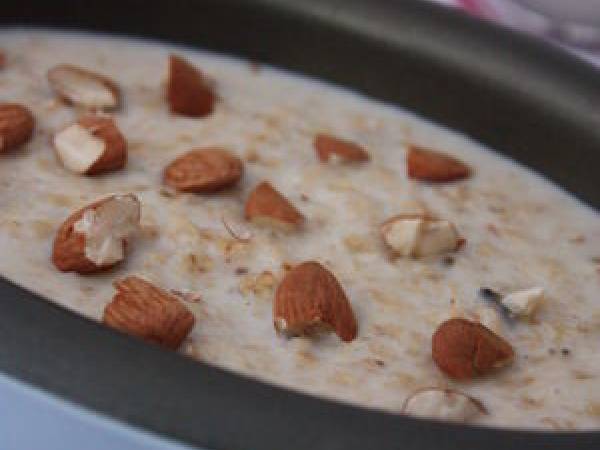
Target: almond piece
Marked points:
91	146
328	147
143	310
463	349
266	206
188	92
414	235
204	170
443	404
16	126
83	87
2	59
523	303
309	300
96	237
428	165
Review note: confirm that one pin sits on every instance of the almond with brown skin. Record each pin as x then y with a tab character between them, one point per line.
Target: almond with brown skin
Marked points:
91	146
266	206
309	300
429	165
141	309
328	147
2	59
96	237
463	349
83	87
16	126
188	92
204	170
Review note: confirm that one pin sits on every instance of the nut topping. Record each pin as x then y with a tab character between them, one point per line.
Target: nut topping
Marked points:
143	310
188	91
95	238
309	300
204	170
523	303
428	165
83	87
16	126
266	206
328	147
463	349
91	146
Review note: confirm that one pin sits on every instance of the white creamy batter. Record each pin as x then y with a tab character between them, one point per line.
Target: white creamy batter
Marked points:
521	232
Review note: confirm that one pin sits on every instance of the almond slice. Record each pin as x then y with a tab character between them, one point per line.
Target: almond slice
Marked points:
83	87
309	300
204	170
91	146
188	92
463	349
143	310
328	147
16	126
443	404
95	238
266	206
429	165
416	236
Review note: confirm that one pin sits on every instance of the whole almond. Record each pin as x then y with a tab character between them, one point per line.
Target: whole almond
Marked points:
83	87
204	170
463	349
16	126
310	299
143	310
328	146
266	206
429	165
95	238
188	92
91	146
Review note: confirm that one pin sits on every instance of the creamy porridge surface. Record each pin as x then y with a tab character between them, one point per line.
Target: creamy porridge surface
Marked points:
521	232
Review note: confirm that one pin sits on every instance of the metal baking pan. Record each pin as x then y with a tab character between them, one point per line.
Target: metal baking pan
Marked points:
517	95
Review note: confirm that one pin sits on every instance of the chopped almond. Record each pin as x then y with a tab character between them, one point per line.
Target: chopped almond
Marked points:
204	170
416	235
16	126
91	146
328	147
266	206
444	404
188	92
523	303
96	237
309	300
463	349
83	87
143	310
429	165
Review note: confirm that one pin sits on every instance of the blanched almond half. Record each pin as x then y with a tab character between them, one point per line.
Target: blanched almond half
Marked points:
141	309
204	170
463	349
266	206
16	126
83	87
95	238
91	146
443	404
188	92
429	165
418	236
328	147
309	300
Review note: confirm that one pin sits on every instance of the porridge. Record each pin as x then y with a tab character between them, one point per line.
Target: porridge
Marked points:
295	232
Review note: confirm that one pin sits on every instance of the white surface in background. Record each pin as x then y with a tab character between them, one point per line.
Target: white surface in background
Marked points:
31	419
